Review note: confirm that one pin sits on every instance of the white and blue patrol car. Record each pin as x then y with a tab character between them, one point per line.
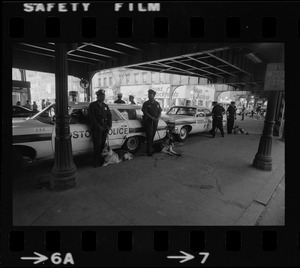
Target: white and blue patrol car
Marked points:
186	120
35	137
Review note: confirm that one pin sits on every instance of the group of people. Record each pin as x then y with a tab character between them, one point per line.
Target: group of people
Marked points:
34	106
217	114
119	100
101	122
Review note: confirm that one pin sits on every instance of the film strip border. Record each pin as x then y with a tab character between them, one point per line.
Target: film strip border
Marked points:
193	22
235	21
151	246
160	27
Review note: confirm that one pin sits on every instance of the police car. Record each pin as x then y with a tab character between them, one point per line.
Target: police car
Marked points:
186	120
35	137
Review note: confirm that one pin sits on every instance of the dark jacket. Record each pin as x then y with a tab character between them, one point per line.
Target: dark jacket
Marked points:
100	116
151	108
218	111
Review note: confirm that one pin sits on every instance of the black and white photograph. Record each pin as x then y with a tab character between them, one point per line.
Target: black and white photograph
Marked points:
148	133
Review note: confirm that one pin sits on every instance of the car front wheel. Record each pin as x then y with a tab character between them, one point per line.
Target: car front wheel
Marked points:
132	144
183	134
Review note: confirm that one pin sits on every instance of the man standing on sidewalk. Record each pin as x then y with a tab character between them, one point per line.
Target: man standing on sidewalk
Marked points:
101	122
243	112
231	116
152	112
217	115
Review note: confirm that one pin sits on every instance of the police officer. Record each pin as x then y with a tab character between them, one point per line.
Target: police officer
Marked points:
101	122
231	116
131	99
217	115
119	100
152	112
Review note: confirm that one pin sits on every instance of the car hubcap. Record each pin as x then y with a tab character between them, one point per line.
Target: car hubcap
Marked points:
132	143
183	133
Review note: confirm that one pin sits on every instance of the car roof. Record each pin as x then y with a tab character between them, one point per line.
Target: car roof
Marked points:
79	105
24	108
184	106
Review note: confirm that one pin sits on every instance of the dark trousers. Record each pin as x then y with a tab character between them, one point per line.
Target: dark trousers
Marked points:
99	138
217	123
243	115
230	123
150	129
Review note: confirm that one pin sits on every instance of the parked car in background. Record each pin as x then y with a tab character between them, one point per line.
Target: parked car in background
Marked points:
20	111
186	120
35	137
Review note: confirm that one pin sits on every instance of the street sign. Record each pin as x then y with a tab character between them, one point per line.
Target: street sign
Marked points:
274	80
84	83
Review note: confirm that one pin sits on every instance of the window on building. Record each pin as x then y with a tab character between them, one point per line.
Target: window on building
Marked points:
104	82
136	78
110	81
153	77
144	75
99	82
127	78
161	77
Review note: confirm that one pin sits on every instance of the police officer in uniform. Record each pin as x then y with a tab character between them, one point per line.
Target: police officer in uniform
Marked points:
101	122
231	115
131	99
217	115
152	112
119	100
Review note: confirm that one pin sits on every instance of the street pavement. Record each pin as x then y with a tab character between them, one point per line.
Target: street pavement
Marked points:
212	183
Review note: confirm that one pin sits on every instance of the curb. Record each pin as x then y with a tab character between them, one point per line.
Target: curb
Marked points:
257	207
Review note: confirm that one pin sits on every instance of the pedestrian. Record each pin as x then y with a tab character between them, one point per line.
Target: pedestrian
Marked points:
152	112
19	103
34	107
231	116
48	103
243	112
101	122
119	100
131	99
258	111
27	105
217	115
43	104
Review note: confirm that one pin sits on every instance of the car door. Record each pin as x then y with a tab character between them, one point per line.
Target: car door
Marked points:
119	130
201	120
80	130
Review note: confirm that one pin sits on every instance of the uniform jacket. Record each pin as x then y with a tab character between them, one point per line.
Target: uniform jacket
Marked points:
119	101
231	110
152	108
218	111
100	117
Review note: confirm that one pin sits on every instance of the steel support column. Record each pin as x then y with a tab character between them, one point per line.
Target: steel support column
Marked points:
64	173
263	158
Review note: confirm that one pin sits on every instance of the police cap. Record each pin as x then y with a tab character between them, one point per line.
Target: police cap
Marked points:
100	92
151	91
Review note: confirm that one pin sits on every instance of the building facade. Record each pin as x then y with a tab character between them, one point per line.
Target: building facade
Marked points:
171	89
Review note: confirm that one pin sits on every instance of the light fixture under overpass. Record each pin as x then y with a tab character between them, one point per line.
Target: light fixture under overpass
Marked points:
253	58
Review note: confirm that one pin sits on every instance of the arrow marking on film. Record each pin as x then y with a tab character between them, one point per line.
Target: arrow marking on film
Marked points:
185	258
38	259
206	254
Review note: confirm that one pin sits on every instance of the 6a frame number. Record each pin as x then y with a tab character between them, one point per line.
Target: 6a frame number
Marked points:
57	259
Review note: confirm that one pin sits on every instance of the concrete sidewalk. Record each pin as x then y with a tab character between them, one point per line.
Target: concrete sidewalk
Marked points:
213	183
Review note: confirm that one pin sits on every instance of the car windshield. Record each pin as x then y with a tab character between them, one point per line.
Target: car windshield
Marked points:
190	111
46	115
